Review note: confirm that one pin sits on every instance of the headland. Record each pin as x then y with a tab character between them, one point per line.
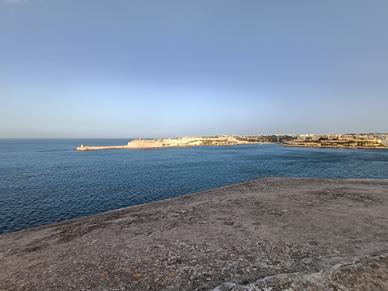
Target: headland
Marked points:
267	234
171	142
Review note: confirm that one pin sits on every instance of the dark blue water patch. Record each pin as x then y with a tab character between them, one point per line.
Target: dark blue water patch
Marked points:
43	181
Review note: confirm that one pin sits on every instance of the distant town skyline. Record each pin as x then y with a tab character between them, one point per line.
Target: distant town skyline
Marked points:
124	69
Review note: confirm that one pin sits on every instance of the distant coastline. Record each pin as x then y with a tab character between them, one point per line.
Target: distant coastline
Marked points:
172	142
349	141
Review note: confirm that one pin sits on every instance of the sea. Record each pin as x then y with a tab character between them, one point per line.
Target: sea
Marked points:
44	181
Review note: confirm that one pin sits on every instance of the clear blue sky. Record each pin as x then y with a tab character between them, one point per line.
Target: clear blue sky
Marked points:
122	68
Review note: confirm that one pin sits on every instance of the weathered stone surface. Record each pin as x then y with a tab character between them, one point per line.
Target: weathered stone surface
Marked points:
368	273
274	233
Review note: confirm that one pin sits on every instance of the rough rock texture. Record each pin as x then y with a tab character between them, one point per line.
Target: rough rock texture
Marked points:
369	273
268	234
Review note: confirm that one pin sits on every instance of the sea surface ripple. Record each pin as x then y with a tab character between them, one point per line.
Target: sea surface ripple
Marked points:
44	181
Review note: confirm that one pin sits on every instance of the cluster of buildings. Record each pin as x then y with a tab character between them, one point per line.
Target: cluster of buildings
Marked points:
340	140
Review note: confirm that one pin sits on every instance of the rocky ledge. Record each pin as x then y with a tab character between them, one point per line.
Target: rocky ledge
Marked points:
269	234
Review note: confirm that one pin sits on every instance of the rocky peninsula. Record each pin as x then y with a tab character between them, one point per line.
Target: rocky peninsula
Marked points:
267	234
171	142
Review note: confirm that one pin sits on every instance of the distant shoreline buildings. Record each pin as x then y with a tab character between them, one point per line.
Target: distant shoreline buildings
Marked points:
340	141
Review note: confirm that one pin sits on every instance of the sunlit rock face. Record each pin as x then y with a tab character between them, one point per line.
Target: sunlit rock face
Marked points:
185	141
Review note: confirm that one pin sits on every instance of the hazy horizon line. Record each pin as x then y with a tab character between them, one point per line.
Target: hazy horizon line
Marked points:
207	135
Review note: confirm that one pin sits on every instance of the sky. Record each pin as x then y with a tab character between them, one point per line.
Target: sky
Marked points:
125	69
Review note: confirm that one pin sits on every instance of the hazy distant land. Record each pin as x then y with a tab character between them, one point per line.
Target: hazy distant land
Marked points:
361	141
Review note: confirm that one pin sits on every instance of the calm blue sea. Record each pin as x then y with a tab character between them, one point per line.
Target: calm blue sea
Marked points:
43	181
